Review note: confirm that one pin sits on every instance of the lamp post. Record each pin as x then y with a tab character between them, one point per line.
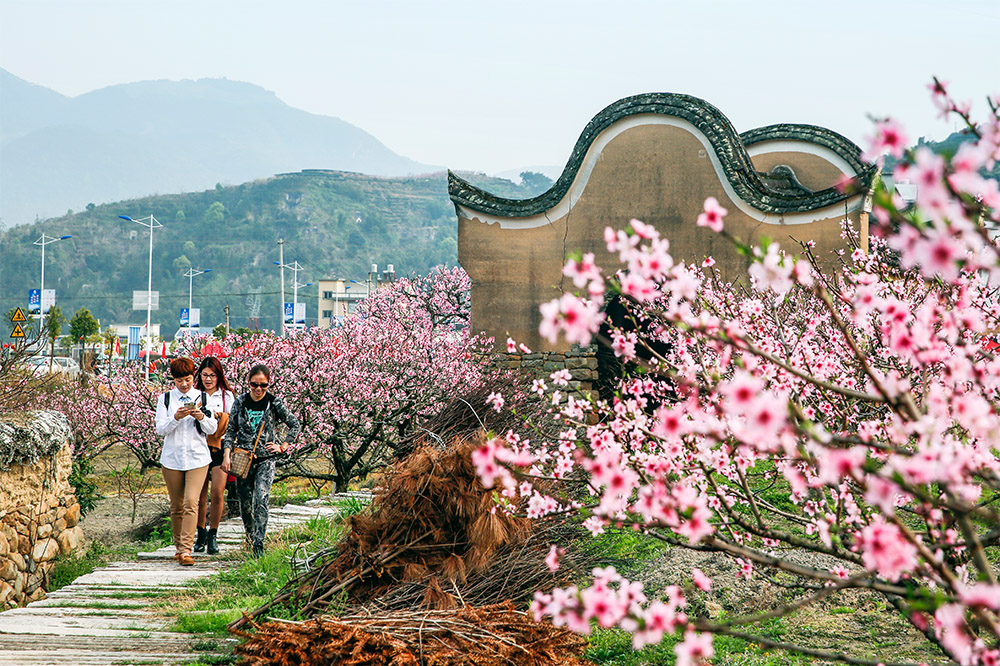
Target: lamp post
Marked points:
295	267
281	262
43	241
152	223
190	276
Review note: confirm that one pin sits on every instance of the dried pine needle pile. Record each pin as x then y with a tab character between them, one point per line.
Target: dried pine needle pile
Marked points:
494	635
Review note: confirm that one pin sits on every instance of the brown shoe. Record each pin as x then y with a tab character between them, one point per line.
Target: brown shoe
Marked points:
186	560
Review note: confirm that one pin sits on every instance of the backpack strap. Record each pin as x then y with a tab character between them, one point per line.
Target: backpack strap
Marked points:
166	400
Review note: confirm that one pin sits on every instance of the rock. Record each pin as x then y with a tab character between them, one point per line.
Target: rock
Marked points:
23	544
59	525
43	507
45	550
8	570
45	530
4	545
6	591
73	515
68	540
18	561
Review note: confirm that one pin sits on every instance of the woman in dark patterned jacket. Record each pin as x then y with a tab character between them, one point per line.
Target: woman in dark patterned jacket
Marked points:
256	411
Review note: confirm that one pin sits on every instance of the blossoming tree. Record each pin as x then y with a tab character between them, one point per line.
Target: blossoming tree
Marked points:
357	389
872	396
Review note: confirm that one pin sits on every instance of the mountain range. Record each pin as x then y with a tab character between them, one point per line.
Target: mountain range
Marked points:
137	139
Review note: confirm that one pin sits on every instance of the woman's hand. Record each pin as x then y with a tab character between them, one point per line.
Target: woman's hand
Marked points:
226	462
274	447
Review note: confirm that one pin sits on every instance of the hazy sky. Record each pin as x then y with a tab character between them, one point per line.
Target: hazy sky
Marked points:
499	85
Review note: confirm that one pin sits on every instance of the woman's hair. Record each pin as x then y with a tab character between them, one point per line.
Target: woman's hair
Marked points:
215	365
181	367
259	369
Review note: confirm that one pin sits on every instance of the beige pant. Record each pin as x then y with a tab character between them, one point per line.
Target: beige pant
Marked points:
184	489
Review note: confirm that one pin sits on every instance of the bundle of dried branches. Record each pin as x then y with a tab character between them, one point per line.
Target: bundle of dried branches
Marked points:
471	413
494	635
431	518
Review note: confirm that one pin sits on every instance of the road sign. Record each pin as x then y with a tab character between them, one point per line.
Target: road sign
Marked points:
18	316
18	332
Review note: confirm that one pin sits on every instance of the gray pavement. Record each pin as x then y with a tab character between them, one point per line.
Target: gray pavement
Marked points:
106	617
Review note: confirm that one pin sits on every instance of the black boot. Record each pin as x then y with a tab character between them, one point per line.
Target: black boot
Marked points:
199	544
213	547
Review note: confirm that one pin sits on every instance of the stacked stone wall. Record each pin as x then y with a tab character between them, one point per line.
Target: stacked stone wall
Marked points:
580	361
39	514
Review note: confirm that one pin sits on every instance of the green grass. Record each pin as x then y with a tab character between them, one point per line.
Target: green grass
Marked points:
613	647
209	604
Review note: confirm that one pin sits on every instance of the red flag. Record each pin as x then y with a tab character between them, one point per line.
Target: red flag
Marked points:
118	347
163	351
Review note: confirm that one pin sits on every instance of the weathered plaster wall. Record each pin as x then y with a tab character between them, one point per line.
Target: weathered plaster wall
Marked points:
657	173
39	514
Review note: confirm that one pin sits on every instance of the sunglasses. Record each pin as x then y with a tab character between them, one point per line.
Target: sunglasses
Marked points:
259	384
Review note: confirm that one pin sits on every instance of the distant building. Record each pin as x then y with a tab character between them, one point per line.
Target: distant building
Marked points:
339	297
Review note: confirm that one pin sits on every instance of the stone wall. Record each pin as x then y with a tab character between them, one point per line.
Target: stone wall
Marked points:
580	361
39	514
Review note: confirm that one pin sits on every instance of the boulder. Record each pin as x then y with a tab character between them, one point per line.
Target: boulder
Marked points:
45	530
69	540
73	515
45	550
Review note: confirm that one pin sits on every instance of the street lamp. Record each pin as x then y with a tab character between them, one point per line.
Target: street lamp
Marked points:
43	241
190	275
152	223
295	267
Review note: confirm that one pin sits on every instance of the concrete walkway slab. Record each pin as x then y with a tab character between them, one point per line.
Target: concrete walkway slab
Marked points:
109	616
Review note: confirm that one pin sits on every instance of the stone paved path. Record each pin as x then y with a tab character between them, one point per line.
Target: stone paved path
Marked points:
104	618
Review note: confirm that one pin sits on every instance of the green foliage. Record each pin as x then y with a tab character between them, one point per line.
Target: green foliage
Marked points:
54	321
536	183
81	478
613	647
408	222
350	506
83	325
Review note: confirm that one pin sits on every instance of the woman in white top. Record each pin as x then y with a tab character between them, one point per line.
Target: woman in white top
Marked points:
211	379
183	422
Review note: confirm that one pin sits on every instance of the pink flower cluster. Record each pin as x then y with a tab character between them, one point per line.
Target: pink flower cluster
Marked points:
871	395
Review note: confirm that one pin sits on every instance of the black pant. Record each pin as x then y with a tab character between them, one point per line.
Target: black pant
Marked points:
255	494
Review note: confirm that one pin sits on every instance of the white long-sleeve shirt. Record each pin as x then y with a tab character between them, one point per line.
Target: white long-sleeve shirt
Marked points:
184	448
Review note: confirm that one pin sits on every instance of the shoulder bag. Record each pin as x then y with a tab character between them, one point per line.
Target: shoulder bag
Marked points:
241	459
215	440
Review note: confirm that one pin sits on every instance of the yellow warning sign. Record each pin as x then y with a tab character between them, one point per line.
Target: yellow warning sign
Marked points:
17	316
18	332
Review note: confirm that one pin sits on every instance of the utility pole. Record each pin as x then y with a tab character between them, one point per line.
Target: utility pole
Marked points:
281	262
227	319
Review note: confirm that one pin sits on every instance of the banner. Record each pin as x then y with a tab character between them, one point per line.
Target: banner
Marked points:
300	314
190	318
133	342
139	300
289	313
48	300
34	301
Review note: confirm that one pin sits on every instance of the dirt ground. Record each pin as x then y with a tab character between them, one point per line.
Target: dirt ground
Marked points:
857	622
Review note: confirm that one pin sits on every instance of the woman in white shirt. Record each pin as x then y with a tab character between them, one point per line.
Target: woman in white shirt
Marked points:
211	379
183	422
